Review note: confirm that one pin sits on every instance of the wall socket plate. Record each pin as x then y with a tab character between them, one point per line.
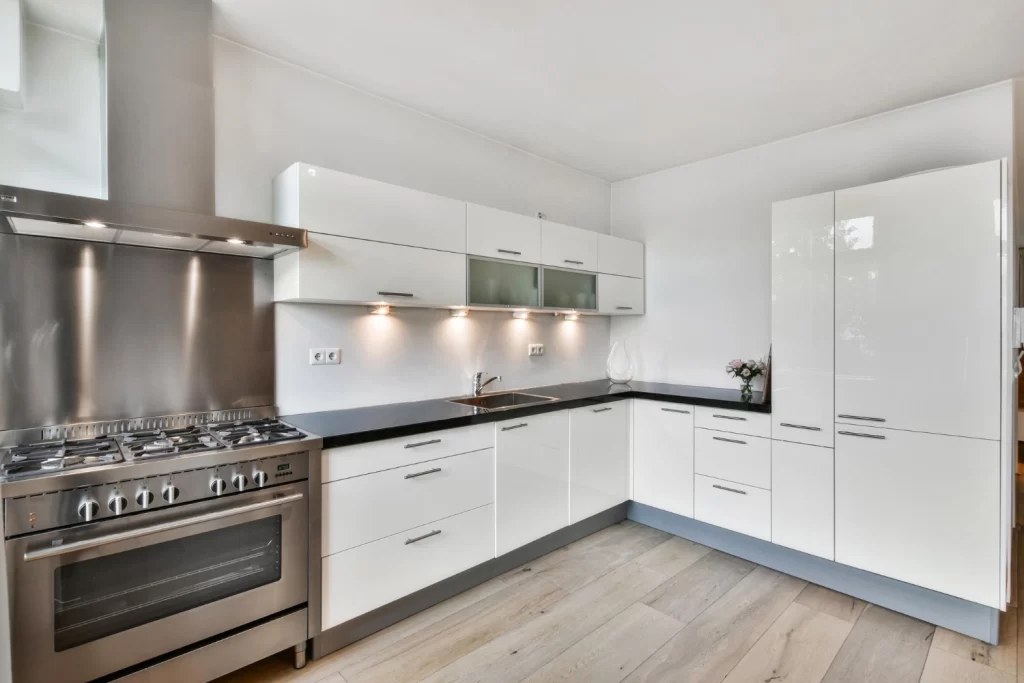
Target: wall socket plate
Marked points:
317	356
535	350
333	356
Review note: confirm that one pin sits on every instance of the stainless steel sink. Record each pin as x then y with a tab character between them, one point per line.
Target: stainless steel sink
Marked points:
502	400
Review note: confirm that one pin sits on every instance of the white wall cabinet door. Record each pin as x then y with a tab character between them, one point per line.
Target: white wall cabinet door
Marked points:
532	476
918	302
920	508
599	470
803	501
617	256
803	326
502	234
326	201
663	456
563	246
618	295
342	270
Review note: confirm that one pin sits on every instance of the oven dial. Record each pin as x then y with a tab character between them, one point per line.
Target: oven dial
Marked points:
117	504
259	477
240	481
218	485
171	493
88	510
144	499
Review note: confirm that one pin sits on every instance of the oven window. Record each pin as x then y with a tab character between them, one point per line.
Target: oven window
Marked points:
103	596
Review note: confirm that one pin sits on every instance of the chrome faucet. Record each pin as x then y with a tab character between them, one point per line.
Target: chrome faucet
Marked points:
479	384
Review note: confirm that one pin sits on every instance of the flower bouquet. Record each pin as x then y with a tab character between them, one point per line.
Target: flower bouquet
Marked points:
746	371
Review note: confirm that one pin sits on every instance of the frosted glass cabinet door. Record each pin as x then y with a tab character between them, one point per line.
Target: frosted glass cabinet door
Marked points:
803	326
570	290
501	283
918	273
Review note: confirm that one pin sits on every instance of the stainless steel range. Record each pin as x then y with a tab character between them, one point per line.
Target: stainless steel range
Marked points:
144	546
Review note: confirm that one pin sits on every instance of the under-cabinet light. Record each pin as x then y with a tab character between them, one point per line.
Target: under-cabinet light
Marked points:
572	316
521	315
459	313
382	309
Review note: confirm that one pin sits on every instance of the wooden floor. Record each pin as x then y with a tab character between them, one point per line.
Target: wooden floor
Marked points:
634	604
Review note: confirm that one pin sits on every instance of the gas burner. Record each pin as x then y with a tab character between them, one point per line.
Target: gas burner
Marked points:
158	443
51	456
252	432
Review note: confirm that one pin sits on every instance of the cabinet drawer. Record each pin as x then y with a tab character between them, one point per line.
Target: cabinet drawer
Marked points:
363	509
502	234
735	421
365	458
738	507
369	576
733	457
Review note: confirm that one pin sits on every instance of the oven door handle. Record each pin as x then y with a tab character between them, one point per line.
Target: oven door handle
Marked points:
77	546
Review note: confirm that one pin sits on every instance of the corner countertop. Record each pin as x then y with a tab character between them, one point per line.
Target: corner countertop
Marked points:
374	423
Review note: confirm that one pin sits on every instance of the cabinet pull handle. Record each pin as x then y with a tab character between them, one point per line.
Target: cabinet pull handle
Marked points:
864	436
722	438
860	417
726	488
810	429
623	308
409	541
601	410
510	251
575	263
675	410
420	474
422	443
729	417
402	294
521	424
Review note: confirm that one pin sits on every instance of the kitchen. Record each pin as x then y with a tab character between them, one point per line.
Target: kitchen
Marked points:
252	290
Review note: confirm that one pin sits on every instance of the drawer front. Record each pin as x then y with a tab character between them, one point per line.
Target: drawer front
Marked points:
738	507
366	458
363	509
366	577
733	457
502	234
735	421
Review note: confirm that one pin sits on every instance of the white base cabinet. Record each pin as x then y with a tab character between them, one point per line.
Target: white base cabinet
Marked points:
599	469
738	507
663	456
803	500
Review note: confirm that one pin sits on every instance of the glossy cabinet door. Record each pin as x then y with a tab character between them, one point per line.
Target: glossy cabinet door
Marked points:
803	325
618	295
599	471
617	256
570	290
564	246
918	282
920	508
325	201
503	283
803	500
532	477
663	456
502	234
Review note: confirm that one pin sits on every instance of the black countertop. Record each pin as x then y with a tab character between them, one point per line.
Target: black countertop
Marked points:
373	423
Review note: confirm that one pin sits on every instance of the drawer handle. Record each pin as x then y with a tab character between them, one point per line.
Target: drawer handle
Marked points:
410	541
424	472
676	410
864	436
726	488
422	443
522	424
861	417
575	263
510	251
404	294
722	438
601	410
729	417
623	308
810	429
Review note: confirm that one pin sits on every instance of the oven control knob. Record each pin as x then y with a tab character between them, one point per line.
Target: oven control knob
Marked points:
88	510
218	485
259	477
171	493
117	504
144	499
240	481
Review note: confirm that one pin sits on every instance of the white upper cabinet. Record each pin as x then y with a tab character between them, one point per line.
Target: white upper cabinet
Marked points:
663	456
321	200
566	247
502	234
599	457
617	256
917	302
617	295
803	279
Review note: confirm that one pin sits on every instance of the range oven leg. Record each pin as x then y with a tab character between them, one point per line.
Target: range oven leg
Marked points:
300	655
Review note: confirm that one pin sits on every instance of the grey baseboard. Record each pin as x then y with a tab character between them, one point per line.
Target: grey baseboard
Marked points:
956	614
382	617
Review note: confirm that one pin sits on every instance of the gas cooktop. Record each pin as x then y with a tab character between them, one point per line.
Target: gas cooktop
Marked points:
52	456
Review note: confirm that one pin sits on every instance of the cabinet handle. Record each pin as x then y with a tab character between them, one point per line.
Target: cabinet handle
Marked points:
420	474
409	541
810	429
675	410
402	294
422	443
623	308
726	488
522	424
865	436
509	251
722	438
575	263
729	417
601	410
860	417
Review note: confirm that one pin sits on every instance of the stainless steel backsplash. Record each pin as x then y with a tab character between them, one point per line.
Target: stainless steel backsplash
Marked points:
95	331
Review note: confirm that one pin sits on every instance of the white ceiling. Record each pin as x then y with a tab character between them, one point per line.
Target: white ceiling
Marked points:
82	18
617	89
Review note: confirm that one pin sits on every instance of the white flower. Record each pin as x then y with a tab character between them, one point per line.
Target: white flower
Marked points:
746	372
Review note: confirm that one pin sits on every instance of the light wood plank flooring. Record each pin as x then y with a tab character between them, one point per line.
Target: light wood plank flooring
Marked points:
634	604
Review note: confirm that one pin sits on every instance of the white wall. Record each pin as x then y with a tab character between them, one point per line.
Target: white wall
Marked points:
10	53
707	225
55	142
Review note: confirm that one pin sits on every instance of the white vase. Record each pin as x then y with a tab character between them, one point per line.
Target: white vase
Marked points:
618	368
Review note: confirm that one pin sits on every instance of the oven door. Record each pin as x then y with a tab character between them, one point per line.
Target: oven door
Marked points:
97	598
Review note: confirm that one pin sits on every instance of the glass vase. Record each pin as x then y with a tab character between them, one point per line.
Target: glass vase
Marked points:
746	393
618	368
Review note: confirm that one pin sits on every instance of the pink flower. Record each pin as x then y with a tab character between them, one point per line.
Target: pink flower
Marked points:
746	372
736	363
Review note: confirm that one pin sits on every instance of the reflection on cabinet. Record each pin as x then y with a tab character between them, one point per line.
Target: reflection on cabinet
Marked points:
620	295
566	247
920	508
570	290
803	505
617	256
663	456
599	470
532	478
503	283
502	234
342	270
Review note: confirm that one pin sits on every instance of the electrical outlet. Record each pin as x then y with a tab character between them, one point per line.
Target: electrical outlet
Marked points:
317	356
535	350
333	356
